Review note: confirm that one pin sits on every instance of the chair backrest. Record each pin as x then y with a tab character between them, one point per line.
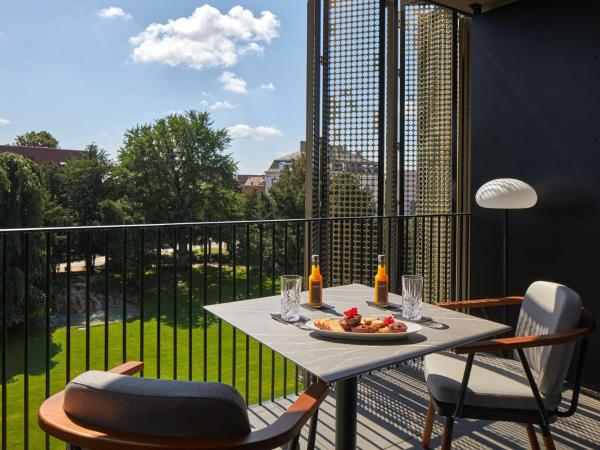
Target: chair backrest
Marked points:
156	407
549	308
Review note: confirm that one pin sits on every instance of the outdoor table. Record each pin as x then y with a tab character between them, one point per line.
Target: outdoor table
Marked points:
342	361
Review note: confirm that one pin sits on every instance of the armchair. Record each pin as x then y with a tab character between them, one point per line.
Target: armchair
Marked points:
53	418
552	323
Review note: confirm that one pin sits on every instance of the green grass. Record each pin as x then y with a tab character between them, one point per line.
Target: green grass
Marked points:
37	377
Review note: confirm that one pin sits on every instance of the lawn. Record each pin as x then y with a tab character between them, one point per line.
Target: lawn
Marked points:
215	371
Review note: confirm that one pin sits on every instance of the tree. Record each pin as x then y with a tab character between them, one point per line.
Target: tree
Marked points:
288	192
256	205
176	170
22	198
86	183
37	139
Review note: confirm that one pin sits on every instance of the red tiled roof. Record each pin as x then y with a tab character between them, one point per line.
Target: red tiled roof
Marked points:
42	155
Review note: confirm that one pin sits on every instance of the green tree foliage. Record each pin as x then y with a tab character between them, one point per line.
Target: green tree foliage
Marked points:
86	184
288	192
37	139
256	205
22	198
176	169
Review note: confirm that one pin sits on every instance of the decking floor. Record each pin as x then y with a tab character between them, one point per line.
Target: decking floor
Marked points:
391	412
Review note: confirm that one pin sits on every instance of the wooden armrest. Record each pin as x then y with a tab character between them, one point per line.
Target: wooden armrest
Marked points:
128	368
481	303
585	328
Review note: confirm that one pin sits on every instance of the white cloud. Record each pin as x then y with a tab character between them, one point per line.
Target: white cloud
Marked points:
267	86
207	38
243	131
4	122
222	105
114	12
233	83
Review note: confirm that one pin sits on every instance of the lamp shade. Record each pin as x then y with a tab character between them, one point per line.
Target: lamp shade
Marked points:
506	193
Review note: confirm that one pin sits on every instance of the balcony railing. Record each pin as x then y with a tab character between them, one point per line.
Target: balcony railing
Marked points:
81	298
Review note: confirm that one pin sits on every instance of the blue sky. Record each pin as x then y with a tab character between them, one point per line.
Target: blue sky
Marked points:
88	70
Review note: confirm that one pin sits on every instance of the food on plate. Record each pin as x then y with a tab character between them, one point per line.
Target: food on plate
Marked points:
353	322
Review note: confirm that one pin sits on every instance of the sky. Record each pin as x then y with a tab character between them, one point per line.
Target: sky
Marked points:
86	71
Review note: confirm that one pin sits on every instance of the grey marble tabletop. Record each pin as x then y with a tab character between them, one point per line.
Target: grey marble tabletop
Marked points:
333	360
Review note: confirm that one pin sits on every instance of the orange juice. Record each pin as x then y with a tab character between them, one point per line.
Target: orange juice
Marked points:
315	284
382	283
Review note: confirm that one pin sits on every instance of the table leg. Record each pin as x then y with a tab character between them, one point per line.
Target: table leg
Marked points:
345	414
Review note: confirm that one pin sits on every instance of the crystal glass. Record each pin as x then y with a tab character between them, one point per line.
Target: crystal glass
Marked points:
290	297
412	296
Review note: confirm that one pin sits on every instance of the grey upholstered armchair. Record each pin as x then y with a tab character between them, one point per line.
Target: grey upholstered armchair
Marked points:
552	329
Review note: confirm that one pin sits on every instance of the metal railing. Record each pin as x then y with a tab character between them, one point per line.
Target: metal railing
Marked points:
81	298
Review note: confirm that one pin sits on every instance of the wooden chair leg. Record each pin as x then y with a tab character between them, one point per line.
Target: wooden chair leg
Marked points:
428	425
447	436
533	441
547	438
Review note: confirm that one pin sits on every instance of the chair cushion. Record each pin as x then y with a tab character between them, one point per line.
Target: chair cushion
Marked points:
549	308
156	407
494	383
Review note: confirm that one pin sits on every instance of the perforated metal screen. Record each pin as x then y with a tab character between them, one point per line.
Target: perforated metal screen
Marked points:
352	122
429	77
365	155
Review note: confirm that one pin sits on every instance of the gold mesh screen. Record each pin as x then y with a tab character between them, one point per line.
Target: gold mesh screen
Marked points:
353	92
428	143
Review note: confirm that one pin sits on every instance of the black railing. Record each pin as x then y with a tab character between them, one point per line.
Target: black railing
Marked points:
82	298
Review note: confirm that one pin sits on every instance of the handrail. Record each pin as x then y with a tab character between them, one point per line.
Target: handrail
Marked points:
221	223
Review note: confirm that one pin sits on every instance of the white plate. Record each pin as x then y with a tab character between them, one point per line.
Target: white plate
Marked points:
411	328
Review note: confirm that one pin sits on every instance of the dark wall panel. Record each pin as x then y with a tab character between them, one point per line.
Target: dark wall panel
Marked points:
536	117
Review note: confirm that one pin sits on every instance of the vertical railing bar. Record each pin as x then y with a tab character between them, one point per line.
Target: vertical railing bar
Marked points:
439	257
273	258
142	276
204	303
4	340
298	252
26	306
87	299
272	375
260	371
158	295
47	325
342	263
106	297
68	311
362	251
422	246
285	377
446	259
174	305
124	305
388	252
234	298
247	392
415	243
329	257
260	259
430	285
285	271
285	248
247	375
351	251
190	300
260	294
371	248
405	250
296	375
247	261
220	299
